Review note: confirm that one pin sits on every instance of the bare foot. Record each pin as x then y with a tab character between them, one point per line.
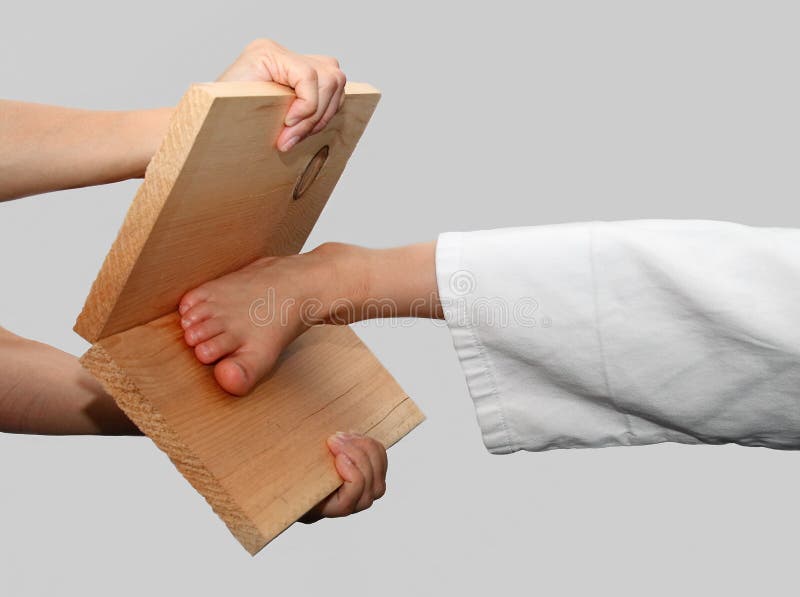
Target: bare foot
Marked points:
242	321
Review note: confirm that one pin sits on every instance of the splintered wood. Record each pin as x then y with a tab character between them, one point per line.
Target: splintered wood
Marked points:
216	196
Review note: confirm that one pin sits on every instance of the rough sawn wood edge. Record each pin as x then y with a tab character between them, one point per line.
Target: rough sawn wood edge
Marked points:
162	171
401	420
114	380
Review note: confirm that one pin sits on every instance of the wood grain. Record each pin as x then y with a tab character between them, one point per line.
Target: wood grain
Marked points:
261	460
216	196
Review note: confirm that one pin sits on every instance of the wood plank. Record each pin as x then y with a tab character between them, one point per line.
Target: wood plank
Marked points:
216	196
261	460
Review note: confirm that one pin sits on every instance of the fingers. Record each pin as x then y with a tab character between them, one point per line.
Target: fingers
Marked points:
333	81
380	477
376	454
318	82
320	89
362	464
305	80
334	104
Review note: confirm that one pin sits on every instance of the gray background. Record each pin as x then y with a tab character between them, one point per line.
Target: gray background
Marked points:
506	114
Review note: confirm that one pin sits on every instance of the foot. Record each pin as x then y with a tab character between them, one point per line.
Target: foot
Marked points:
244	320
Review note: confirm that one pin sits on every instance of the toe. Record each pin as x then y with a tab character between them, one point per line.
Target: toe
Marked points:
205	330
239	373
197	314
232	377
217	347
193	298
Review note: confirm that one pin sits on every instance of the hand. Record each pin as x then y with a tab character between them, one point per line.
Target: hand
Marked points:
317	80
361	462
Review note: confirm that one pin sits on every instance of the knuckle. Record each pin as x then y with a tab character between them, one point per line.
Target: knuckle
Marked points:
260	44
368	443
329	83
321	124
307	71
381	490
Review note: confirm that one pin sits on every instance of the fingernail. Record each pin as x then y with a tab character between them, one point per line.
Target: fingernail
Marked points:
182	309
336	439
292	121
290	143
185	323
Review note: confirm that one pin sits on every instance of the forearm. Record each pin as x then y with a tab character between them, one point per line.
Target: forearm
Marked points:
47	148
44	390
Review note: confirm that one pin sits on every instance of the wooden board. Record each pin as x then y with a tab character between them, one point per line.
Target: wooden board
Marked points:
216	196
260	460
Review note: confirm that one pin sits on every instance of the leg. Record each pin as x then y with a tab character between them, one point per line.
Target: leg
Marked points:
244	320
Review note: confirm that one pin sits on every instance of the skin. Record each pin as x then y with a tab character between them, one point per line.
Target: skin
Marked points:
244	320
47	148
45	390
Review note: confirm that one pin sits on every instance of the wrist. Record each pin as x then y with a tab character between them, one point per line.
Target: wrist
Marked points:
143	131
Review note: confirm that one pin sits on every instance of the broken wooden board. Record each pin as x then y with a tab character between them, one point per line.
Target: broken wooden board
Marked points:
260	460
216	196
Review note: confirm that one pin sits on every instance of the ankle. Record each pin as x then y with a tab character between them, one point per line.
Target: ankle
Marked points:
345	282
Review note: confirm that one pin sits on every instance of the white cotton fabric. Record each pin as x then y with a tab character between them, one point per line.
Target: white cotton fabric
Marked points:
626	333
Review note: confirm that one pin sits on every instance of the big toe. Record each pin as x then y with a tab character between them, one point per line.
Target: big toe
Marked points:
240	373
